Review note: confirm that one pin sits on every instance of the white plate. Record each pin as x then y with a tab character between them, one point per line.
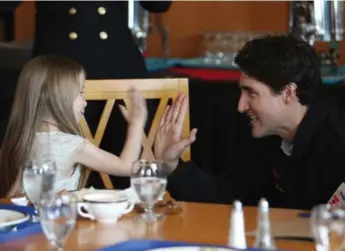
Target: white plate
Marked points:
192	248
12	217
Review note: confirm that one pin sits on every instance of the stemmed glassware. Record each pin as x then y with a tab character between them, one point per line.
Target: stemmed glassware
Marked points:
328	228
149	180
38	179
58	217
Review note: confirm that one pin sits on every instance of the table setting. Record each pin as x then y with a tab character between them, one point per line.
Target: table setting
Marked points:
41	209
150	219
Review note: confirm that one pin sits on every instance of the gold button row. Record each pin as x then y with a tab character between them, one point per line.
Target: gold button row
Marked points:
101	10
102	35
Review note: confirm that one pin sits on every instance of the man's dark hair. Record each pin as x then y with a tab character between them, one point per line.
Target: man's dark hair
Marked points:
279	60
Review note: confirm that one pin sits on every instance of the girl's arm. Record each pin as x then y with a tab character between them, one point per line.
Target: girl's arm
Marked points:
102	161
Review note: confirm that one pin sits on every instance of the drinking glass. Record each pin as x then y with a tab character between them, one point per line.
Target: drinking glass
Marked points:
58	217
328	228
38	179
149	180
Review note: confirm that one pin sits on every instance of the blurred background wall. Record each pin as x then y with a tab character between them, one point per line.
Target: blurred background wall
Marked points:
187	20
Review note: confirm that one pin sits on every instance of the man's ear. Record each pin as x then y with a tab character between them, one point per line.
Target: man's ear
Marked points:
289	93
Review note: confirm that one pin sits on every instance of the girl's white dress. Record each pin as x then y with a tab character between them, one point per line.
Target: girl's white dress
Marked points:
60	147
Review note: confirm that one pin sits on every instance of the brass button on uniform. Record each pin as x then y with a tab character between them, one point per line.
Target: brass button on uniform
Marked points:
101	10
72	11
73	35
103	35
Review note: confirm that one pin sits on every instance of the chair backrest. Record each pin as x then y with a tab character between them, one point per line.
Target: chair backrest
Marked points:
112	90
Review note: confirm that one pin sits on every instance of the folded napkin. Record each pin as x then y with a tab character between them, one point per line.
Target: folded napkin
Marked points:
131	194
20	201
141	245
23	229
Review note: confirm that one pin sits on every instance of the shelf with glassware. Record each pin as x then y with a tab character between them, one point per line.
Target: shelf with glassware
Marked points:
220	48
197	68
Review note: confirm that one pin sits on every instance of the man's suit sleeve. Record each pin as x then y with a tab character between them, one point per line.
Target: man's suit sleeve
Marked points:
156	6
247	182
188	182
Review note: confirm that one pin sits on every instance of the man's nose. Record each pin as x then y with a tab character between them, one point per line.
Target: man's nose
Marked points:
242	103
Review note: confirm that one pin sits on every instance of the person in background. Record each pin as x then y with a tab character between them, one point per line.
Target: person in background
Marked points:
297	160
96	35
44	126
93	33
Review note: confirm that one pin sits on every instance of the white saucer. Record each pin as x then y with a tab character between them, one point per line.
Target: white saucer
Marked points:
11	217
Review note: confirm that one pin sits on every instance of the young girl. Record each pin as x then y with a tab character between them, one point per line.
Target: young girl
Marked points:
44	125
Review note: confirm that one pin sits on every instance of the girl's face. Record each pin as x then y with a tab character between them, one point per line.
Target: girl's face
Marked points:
79	103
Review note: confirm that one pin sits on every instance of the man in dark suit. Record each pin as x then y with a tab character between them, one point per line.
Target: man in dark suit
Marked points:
95	34
298	155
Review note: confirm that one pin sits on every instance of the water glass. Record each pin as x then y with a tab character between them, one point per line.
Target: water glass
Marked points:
149	180
328	228
38	179
214	47
58	217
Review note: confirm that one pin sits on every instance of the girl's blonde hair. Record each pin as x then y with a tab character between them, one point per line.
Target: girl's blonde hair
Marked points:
47	87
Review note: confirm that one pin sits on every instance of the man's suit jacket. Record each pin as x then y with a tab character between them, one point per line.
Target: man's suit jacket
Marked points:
260	169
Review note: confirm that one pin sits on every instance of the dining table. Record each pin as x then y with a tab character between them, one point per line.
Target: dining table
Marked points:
199	223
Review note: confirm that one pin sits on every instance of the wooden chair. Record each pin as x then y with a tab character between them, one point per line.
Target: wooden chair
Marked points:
112	90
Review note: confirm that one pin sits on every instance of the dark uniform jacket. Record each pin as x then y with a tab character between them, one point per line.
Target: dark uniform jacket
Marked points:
94	33
306	178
